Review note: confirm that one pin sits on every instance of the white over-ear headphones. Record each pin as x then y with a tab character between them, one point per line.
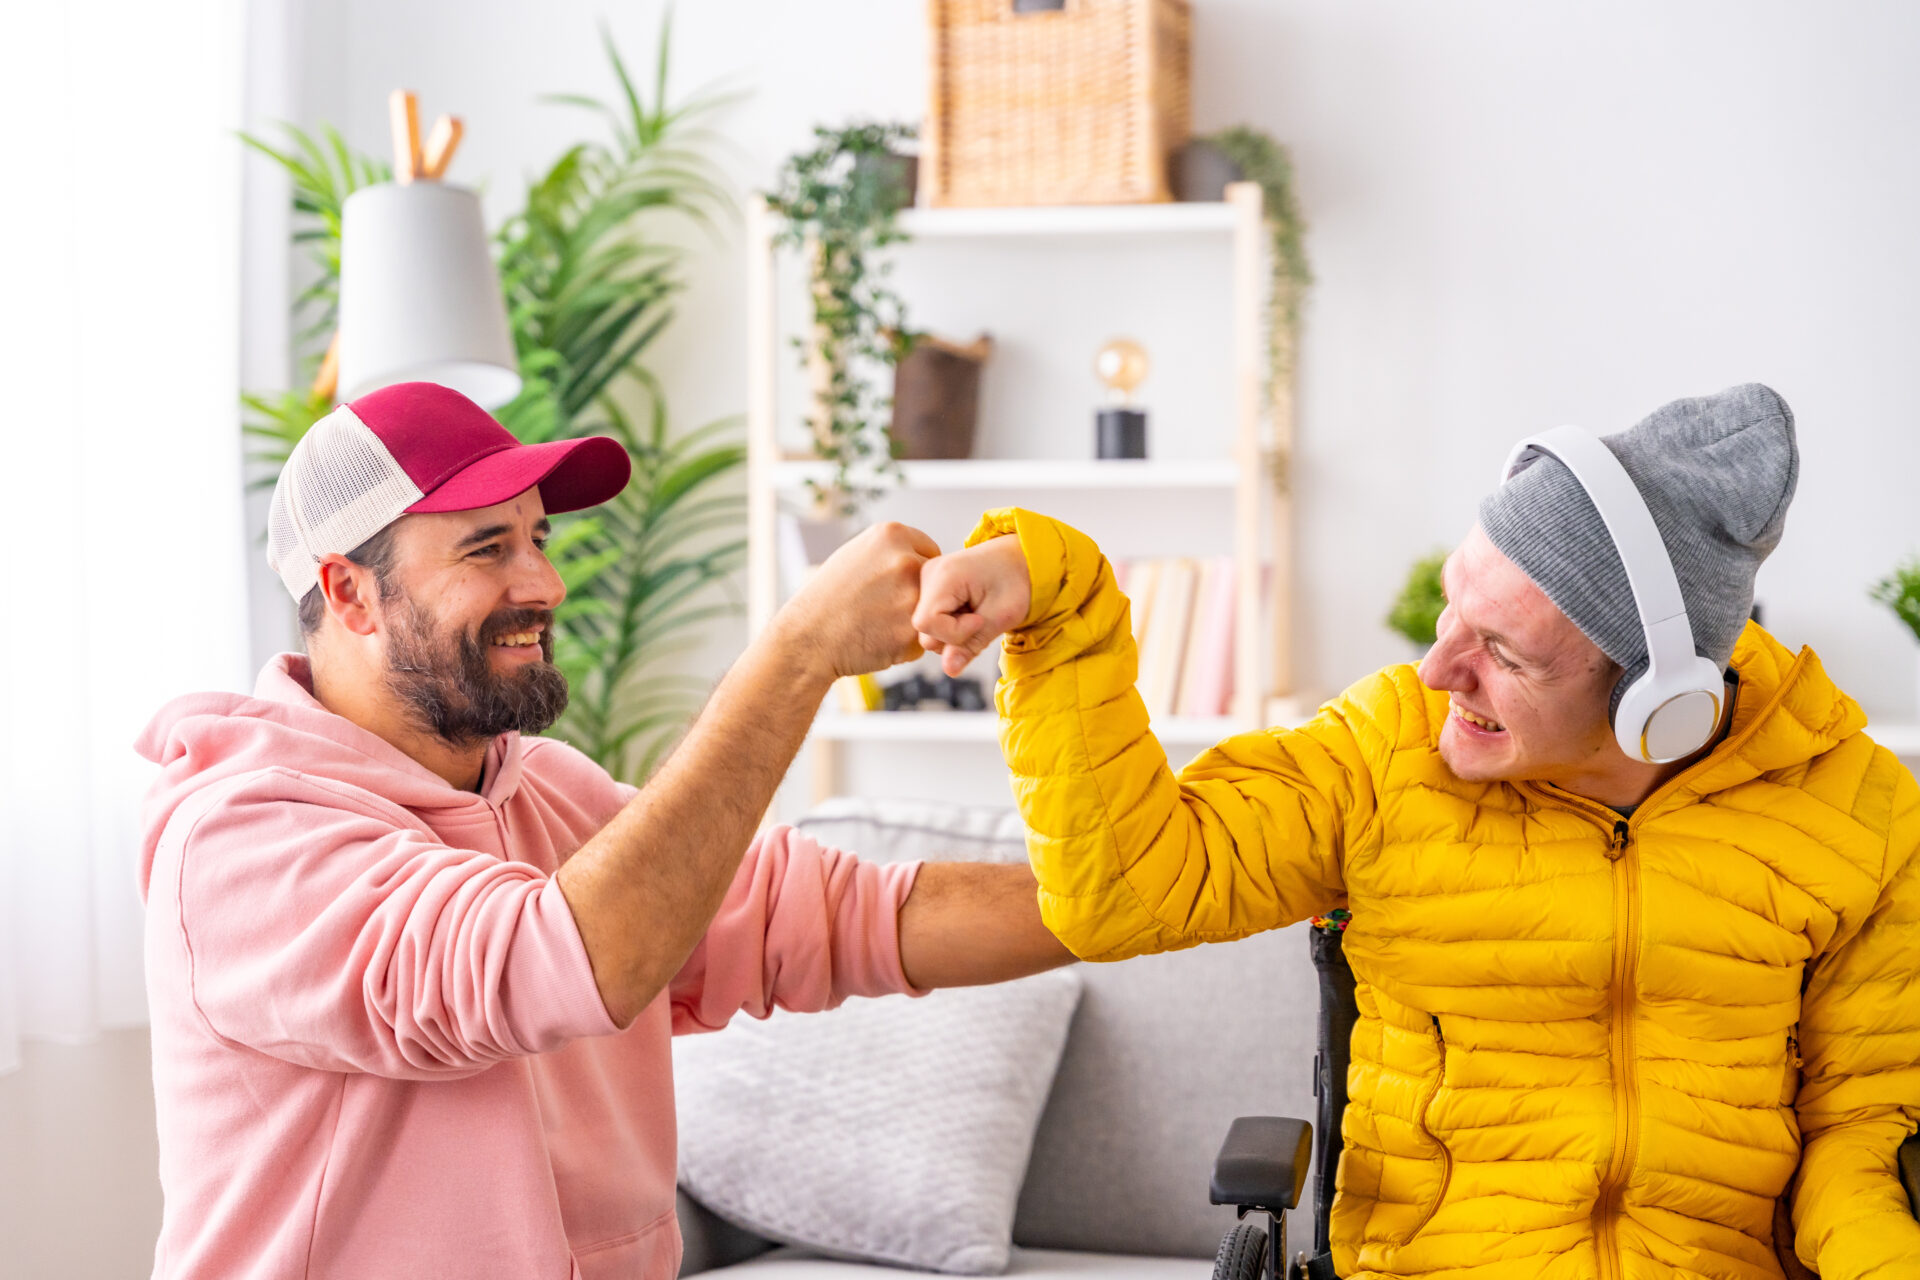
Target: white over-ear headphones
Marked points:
1672	710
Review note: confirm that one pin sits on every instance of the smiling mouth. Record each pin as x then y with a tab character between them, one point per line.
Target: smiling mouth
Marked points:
518	640
1481	723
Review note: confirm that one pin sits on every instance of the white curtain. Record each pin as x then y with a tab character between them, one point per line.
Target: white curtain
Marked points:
122	563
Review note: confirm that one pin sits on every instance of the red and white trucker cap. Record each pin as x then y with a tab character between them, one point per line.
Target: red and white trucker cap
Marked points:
412	447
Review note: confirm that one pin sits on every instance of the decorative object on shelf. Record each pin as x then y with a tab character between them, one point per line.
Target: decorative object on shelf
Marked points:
839	203
915	692
589	285
1036	102
1202	170
419	293
1900	592
936	398
1416	611
1120	427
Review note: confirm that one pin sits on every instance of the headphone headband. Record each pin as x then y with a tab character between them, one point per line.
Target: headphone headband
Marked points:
1670	711
1656	591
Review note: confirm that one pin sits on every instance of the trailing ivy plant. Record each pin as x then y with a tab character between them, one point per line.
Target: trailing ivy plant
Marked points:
1900	592
839	202
1263	161
1416	612
588	290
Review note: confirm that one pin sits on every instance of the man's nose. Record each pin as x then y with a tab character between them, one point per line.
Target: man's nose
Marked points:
1440	669
538	586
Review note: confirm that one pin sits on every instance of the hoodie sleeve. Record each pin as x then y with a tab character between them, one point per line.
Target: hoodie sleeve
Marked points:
319	932
1131	858
803	927
1860	1093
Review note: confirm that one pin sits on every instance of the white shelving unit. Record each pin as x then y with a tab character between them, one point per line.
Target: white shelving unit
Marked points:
1251	477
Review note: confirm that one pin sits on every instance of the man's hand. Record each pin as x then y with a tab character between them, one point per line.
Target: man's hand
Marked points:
969	598
855	613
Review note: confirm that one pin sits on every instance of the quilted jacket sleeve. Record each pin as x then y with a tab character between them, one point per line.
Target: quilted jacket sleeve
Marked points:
1860	1095
1130	858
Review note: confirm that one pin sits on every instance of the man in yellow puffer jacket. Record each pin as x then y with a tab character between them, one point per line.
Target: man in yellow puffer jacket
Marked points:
1610	1012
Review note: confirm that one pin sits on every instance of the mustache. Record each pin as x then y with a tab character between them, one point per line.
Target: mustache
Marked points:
509	621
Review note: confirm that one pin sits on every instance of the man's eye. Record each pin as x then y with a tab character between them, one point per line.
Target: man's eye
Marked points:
492	549
540	545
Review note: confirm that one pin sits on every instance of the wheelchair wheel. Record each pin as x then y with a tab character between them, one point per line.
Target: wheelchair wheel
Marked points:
1243	1254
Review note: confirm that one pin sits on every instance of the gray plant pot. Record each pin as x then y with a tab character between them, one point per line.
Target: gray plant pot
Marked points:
1201	171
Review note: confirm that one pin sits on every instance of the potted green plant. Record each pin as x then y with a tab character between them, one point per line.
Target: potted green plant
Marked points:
1900	592
1416	611
839	202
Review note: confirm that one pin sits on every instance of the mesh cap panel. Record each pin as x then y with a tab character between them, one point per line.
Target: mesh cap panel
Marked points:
339	488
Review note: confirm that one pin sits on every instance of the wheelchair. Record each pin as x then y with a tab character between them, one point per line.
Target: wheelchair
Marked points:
1264	1162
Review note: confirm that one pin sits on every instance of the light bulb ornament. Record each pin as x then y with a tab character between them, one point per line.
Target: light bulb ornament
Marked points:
1120	427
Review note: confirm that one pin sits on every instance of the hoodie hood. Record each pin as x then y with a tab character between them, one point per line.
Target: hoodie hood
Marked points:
204	739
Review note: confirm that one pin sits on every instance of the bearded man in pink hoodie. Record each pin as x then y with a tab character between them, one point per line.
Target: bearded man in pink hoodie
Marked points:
413	972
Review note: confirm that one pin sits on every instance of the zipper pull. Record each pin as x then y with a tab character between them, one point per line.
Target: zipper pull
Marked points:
1793	1047
1619	845
1438	1034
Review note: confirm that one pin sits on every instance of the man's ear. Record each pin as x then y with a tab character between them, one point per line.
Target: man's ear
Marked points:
351	591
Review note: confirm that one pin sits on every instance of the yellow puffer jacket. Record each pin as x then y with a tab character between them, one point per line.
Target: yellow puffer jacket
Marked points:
1587	1047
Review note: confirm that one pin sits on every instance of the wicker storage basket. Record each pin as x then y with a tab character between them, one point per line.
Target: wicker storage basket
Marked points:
1078	105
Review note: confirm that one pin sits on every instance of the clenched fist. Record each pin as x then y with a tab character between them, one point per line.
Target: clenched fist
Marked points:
969	598
855	614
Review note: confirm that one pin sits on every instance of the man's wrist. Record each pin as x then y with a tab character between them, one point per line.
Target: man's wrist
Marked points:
794	647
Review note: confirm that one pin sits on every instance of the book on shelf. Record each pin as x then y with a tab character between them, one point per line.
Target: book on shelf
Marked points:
1206	679
1165	644
1183	614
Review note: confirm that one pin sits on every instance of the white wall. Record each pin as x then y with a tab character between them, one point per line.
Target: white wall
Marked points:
1522	214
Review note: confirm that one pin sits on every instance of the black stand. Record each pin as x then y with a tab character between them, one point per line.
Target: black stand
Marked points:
1120	433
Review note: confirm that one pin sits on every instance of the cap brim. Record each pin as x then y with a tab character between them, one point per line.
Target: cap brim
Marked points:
572	474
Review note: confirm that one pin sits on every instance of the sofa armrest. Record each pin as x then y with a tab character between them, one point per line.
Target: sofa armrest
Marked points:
1263	1163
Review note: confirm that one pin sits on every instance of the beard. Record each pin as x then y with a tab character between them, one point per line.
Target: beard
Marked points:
449	684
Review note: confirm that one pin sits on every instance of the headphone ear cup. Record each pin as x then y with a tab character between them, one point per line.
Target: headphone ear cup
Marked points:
1661	724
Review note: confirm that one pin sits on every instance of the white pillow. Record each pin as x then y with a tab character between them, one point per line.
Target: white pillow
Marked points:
889	1130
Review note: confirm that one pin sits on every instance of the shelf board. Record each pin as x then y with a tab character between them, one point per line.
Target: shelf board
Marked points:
1038	473
984	726
1200	217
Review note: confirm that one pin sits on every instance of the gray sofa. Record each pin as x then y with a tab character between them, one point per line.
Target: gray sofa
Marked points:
1162	1053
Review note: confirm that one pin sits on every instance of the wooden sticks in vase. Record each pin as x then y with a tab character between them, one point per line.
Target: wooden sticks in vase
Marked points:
409	164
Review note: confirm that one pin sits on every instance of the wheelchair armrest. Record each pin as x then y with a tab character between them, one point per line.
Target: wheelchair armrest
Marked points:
1909	1163
1263	1163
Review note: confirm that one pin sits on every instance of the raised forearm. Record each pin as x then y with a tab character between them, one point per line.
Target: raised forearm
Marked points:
644	889
968	923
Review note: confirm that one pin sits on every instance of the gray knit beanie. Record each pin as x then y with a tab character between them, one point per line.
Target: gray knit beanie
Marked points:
1717	472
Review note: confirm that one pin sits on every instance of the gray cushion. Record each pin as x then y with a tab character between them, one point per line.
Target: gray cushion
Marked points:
1164	1053
894	1130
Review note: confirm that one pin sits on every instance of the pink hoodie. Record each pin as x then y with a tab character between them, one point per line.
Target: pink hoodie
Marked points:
378	1049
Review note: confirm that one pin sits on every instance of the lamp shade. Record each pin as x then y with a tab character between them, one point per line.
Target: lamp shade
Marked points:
419	295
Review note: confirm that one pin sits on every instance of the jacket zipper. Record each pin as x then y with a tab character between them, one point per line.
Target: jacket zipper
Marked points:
1427	1099
1626	951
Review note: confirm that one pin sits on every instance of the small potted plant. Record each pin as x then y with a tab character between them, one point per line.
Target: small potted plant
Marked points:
1900	592
1416	612
839	202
